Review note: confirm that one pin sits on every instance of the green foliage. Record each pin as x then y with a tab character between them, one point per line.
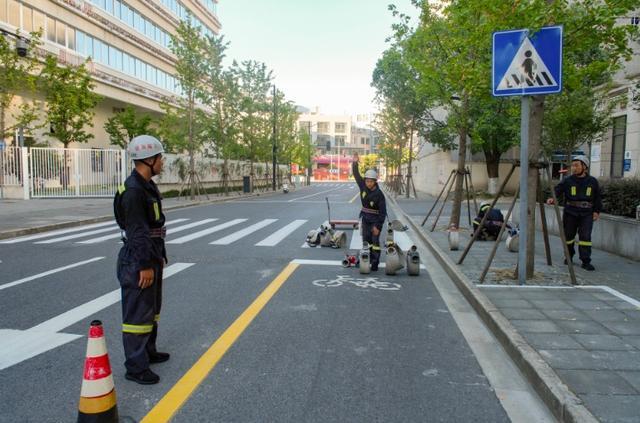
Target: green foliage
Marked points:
126	125
70	101
620	197
17	73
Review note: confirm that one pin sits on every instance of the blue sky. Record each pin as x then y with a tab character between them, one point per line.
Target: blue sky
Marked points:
322	53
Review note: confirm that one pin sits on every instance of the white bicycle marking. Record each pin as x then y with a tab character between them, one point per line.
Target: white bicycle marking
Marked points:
368	282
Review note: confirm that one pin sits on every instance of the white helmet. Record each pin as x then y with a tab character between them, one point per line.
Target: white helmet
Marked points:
582	159
371	174
144	146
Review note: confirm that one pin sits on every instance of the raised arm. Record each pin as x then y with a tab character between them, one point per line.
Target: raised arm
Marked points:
356	172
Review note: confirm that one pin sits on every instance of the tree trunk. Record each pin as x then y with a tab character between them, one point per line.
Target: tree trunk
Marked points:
535	136
192	161
492	160
3	111
409	172
457	194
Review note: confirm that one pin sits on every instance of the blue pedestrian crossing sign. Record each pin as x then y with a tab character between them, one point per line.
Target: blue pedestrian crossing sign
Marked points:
527	64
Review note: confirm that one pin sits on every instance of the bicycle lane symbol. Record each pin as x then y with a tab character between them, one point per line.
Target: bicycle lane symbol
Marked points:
368	282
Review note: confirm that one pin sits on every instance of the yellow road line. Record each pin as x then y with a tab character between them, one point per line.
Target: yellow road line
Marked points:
354	198
165	409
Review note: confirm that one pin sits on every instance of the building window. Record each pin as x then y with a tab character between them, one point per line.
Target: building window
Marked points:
38	21
61	37
340	140
13	13
341	127
618	141
27	18
51	29
3	10
71	38
323	127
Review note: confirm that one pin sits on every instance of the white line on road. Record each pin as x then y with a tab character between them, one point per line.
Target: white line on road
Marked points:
311	195
206	232
54	233
49	272
21	345
244	232
281	234
333	263
169	231
356	240
80	235
85	310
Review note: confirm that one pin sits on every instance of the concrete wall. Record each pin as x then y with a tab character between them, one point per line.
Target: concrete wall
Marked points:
431	171
616	235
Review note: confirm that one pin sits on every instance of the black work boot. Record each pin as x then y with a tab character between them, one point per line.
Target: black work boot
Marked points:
145	377
588	266
158	357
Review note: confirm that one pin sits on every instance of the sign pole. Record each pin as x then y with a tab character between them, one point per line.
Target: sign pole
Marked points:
524	173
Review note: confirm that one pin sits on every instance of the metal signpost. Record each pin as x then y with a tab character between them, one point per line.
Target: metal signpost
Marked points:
526	64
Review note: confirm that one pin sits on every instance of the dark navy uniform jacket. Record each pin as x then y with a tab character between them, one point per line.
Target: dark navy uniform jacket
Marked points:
584	190
139	209
374	206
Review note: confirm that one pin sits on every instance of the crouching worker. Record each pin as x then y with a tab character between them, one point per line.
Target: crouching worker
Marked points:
491	227
373	212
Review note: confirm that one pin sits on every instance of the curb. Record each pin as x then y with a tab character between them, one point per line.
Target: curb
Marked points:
62	225
563	403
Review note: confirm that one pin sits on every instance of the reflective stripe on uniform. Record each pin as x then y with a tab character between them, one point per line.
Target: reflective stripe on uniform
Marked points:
588	191
571	241
573	191
363	194
483	208
156	318
137	329
375	247
156	210
121	189
585	243
476	222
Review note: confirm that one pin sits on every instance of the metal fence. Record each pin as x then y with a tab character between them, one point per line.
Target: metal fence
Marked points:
10	166
64	172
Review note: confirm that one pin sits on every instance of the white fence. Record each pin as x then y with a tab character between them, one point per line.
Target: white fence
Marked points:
11	167
64	172
73	173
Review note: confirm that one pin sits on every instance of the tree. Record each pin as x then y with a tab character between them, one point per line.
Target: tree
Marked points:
255	124
181	115
70	101
17	73
450	50
576	118
127	124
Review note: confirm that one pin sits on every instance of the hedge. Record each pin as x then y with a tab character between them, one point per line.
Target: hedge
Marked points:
620	196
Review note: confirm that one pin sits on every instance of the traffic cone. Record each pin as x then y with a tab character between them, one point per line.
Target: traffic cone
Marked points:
98	395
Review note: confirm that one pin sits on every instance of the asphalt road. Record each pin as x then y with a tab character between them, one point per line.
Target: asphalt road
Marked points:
382	350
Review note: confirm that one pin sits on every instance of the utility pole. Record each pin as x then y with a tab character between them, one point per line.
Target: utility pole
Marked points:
275	147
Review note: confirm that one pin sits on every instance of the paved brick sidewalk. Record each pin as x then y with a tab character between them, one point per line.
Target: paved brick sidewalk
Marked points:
588	335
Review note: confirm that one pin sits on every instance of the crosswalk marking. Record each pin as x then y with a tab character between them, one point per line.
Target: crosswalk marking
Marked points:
110	236
80	235
281	234
244	232
356	240
403	240
21	345
169	231
49	272
56	232
76	314
205	232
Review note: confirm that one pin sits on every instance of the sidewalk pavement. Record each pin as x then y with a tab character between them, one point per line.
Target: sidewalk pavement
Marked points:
22	217
579	346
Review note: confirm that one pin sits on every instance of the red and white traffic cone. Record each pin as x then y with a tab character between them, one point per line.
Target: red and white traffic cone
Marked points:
98	394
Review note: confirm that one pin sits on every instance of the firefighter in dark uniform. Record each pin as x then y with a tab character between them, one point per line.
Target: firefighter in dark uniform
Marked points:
492	225
582	207
138	210
373	212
